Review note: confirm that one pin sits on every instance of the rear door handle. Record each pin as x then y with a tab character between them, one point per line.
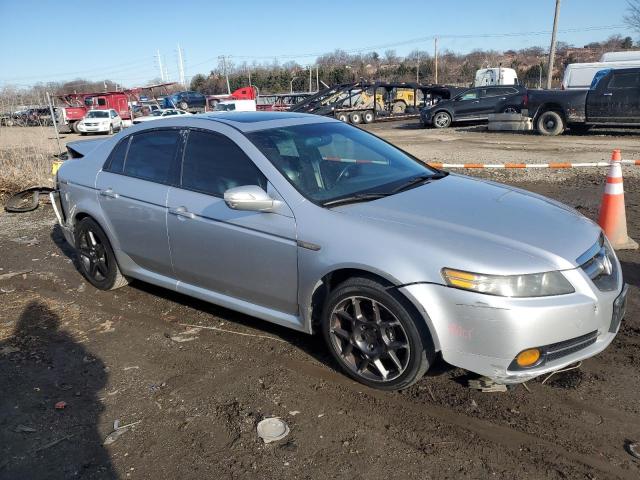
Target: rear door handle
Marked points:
109	193
181	212
608	94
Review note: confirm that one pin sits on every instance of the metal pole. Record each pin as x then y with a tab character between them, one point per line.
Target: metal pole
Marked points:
160	65
435	48
181	65
418	72
310	79
317	80
552	50
55	124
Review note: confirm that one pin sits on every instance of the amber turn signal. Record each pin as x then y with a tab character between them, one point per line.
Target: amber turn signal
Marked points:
527	358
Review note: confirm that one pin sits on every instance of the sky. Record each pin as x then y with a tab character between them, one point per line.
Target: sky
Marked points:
65	39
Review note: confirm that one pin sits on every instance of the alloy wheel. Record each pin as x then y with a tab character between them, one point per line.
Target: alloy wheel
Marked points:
93	256
442	120
369	339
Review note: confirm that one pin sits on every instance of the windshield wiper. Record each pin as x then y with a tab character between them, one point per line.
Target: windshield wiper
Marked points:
360	197
418	180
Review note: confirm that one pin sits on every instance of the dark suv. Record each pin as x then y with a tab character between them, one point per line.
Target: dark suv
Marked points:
185	101
472	104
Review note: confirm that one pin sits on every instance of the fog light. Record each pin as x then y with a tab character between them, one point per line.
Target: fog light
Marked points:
527	358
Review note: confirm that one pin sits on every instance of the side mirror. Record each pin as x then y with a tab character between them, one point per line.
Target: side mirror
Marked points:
251	198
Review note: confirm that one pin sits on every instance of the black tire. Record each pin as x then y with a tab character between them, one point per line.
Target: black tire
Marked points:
343	117
398	107
96	260
74	127
368	117
362	346
110	130
441	119
183	105
550	123
355	118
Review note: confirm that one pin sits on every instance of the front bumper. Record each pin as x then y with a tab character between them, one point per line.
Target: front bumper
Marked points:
93	128
484	333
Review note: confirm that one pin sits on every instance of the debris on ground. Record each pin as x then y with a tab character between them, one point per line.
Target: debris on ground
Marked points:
633	449
60	405
7	276
272	429
24	429
118	431
485	384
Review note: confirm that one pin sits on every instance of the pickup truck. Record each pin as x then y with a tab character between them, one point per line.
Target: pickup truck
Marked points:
612	100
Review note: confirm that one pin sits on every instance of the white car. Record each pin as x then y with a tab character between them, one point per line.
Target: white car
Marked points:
235	106
100	121
160	113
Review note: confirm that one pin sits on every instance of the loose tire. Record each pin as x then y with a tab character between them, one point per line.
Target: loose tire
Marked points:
441	120
368	117
96	260
550	123
371	332
343	117
355	118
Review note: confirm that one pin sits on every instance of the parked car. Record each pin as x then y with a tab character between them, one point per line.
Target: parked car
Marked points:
471	105
160	113
185	101
100	121
322	227
612	100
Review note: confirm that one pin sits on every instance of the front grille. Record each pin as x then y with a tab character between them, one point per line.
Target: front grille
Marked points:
567	347
599	264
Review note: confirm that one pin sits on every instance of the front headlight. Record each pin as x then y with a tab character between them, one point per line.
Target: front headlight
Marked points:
530	285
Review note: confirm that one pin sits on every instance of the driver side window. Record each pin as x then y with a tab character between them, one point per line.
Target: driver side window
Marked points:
473	95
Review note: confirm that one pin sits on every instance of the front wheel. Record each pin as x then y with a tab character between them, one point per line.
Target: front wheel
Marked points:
96	260
550	123
183	105
442	120
373	335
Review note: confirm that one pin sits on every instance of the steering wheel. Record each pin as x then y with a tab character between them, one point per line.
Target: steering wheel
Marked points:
346	172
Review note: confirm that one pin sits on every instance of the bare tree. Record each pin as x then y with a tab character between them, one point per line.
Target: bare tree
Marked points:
632	18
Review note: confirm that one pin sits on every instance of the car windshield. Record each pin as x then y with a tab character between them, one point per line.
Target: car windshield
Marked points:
98	114
157	113
225	107
330	162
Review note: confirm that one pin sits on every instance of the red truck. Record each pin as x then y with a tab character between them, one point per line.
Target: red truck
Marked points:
76	106
242	93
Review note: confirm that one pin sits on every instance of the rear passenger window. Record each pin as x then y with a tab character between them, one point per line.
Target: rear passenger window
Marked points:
624	80
151	155
115	162
213	164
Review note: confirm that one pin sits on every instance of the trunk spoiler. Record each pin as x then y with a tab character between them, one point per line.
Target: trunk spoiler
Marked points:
80	148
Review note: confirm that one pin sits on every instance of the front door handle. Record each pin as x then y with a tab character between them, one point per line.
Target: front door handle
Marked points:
608	94
476	101
109	193
181	212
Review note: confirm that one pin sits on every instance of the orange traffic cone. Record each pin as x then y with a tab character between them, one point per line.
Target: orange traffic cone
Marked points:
613	218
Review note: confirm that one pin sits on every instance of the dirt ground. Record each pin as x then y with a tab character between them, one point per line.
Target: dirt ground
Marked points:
195	379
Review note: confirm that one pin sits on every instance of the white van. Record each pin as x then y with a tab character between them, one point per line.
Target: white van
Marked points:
235	106
495	76
623	56
580	75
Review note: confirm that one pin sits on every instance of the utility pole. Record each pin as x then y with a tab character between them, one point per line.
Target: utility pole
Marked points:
435	55
224	69
418	71
317	80
160	65
181	66
552	49
310	87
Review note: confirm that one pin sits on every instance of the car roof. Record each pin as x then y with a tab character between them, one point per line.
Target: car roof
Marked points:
252	121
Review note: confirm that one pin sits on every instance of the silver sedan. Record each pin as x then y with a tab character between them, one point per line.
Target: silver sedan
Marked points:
322	227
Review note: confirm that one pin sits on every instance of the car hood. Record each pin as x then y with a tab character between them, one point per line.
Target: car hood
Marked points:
493	227
94	120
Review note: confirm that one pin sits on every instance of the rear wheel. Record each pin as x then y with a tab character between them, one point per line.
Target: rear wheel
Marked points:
96	260
550	123
441	120
356	118
373	335
368	117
